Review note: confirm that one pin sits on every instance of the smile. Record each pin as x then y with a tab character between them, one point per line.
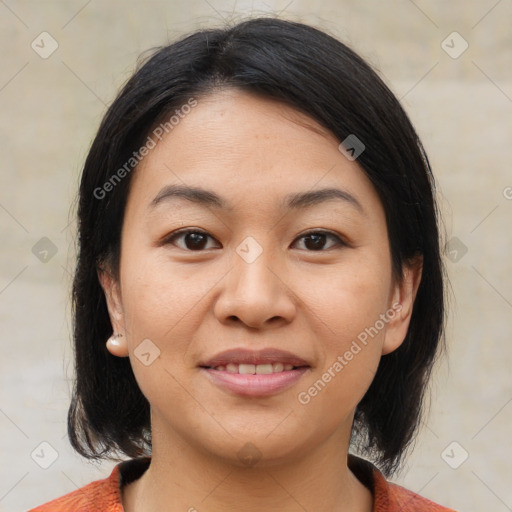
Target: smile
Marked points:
254	373
255	369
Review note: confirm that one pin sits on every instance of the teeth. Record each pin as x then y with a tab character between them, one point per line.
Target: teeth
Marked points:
278	367
232	368
246	369
252	369
264	369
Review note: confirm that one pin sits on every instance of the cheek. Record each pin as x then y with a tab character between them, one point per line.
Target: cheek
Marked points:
155	305
156	298
349	299
348	308
167	304
351	348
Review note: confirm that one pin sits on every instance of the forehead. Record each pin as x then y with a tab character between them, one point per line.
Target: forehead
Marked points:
247	148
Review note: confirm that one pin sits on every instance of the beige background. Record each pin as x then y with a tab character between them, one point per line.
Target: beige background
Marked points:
462	108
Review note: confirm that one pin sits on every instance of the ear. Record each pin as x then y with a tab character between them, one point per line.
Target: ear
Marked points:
112	291
402	302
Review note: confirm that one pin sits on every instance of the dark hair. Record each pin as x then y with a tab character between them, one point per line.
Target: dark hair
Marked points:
318	75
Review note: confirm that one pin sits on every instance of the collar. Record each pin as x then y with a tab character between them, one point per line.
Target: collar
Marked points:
387	497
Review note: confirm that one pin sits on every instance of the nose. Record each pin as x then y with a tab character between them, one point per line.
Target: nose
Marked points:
256	293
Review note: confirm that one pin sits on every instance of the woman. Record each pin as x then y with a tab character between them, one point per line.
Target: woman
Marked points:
259	246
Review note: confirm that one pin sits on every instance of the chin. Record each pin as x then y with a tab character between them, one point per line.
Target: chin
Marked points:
259	453
263	448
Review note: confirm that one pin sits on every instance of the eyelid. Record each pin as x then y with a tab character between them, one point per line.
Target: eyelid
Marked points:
341	241
180	232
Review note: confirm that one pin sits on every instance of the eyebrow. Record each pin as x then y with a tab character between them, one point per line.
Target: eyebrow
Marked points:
300	200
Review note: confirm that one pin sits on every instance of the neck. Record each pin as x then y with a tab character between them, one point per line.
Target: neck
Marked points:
182	478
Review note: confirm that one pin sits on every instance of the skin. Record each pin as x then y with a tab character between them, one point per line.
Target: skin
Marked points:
193	304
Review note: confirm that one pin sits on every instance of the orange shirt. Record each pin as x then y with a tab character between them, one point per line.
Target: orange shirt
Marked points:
105	495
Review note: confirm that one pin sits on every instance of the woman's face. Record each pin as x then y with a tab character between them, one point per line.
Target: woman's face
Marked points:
257	334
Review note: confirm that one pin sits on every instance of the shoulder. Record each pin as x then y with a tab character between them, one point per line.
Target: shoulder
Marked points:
387	496
403	499
100	495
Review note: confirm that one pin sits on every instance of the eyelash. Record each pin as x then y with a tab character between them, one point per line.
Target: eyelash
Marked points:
169	239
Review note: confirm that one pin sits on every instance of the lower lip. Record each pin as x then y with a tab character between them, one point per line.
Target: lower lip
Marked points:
255	385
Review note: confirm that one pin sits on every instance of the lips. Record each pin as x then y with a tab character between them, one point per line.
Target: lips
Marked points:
254	373
245	357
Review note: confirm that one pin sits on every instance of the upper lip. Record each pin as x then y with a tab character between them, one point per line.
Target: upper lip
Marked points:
245	356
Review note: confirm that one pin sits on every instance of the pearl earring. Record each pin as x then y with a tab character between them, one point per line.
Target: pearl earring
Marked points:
113	341
116	346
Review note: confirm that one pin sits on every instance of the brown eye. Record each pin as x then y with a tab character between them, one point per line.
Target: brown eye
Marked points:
193	239
316	240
